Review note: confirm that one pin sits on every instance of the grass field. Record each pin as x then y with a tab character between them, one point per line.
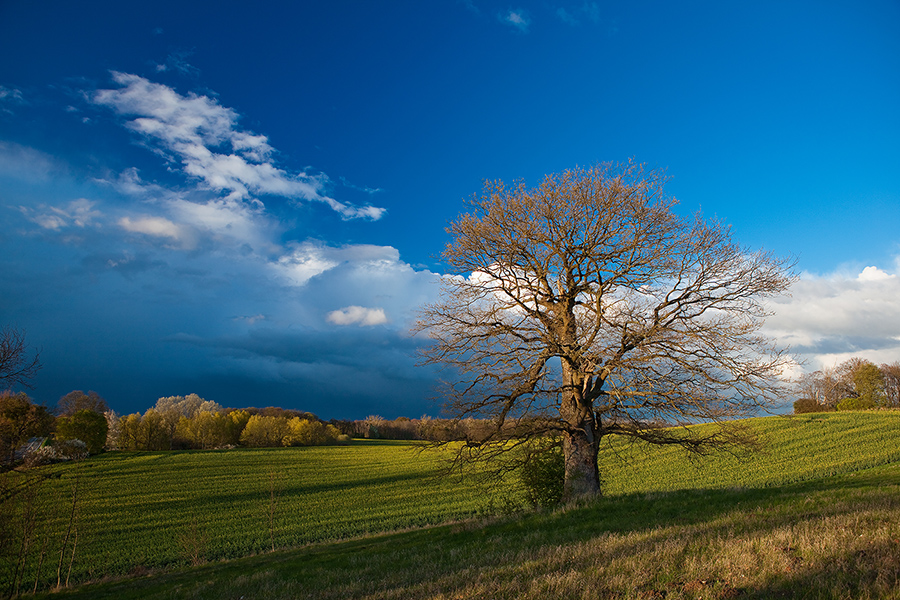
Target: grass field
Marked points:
816	515
148	510
793	449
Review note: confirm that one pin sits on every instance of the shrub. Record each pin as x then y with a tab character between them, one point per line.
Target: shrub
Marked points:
809	405
856	404
543	474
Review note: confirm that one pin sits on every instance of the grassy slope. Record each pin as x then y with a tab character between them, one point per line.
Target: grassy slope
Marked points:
796	448
139	509
754	536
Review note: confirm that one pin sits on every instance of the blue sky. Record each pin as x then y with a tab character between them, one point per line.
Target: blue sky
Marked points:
248	202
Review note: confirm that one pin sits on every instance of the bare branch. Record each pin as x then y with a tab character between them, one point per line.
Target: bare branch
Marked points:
16	368
587	307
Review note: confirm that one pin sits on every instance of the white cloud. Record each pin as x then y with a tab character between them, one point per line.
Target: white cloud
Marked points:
154	226
309	259
227	219
518	18
830	318
130	183
77	213
358	315
203	136
873	274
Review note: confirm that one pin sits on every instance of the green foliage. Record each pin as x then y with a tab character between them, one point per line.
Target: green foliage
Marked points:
307	432
204	430
858	403
264	432
869	383
20	419
543	475
85	425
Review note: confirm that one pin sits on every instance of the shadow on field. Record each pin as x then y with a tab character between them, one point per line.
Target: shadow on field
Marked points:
870	572
833	538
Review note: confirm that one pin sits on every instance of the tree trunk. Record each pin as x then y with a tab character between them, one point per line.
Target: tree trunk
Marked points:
582	475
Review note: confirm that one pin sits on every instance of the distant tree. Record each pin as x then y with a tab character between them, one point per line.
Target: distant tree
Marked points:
303	432
187	406
77	400
891	374
172	408
154	432
130	432
113	430
856	403
16	367
309	432
20	419
587	307
264	432
825	387
86	425
868	381
809	405
237	421
205	430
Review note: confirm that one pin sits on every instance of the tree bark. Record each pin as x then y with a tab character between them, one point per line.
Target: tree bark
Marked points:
582	474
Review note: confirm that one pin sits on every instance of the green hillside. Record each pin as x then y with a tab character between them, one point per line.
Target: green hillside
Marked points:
139	511
795	448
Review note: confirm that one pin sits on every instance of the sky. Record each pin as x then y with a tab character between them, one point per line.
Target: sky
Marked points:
249	201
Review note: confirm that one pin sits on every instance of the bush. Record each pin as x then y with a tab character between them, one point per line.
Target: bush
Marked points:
856	404
543	475
809	405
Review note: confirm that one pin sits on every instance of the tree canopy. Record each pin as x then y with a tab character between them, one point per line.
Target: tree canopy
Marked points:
588	307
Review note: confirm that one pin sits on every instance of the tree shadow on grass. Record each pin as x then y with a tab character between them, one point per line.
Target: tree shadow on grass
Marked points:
568	552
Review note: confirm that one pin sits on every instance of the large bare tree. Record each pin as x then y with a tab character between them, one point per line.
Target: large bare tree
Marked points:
16	367
587	307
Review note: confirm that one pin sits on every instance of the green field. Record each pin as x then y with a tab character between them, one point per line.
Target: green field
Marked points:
793	449
141	510
818	509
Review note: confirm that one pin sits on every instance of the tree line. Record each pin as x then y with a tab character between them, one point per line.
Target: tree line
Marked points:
190	422
855	384
83	424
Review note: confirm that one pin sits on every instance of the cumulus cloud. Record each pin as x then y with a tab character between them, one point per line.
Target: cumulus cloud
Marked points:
517	18
830	318
203	136
357	315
